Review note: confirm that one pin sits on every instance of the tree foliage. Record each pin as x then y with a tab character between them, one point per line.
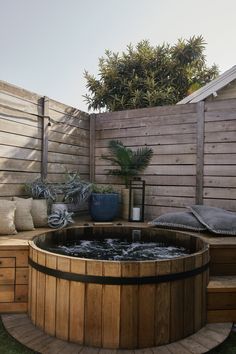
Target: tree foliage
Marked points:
146	76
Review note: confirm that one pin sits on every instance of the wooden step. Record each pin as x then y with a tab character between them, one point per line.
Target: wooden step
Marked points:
221	299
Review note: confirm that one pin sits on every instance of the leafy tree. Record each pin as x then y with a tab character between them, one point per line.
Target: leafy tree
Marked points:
146	76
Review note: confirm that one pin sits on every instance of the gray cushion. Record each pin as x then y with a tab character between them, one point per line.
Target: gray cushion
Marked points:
216	220
179	220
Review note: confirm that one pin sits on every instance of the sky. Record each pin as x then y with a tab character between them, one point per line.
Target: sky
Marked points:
45	45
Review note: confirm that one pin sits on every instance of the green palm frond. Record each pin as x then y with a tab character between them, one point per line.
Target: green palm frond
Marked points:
129	162
142	158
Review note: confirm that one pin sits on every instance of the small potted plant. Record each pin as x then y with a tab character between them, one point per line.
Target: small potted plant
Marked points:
128	164
62	198
104	203
68	195
73	192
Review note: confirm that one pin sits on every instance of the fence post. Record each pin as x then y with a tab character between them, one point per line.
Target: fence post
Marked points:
92	147
45	122
200	152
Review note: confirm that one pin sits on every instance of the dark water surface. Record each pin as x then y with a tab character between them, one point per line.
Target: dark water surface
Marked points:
119	250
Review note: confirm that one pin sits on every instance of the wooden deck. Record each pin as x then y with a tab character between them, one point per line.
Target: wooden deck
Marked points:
20	327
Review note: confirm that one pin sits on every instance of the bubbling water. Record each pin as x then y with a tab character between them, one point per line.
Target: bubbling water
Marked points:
119	250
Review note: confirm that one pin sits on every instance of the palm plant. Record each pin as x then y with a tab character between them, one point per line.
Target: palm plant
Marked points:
130	162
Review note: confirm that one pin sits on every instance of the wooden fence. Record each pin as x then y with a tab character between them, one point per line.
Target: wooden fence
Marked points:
194	153
39	136
194	147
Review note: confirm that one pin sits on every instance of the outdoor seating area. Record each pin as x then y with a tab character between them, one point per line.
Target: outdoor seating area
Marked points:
184	196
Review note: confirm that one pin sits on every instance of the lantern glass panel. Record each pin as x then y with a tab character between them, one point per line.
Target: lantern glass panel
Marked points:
136	200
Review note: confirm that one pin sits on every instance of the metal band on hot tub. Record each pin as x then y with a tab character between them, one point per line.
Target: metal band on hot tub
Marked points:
109	280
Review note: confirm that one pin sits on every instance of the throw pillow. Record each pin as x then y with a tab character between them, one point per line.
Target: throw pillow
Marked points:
178	220
7	217
39	212
217	220
23	217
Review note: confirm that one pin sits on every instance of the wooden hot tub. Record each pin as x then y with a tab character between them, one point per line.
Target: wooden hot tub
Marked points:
118	304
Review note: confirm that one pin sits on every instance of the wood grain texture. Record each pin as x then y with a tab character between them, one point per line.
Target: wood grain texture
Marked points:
62	300
111	301
20	327
45	128
93	307
25	138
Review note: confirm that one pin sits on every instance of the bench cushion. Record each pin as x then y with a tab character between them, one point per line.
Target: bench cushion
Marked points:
23	217
7	217
39	212
217	220
179	220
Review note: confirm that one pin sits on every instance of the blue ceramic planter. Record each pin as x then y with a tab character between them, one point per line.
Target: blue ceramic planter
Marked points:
104	206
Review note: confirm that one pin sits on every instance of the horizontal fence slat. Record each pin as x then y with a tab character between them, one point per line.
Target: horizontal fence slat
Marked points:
218	170
154	211
20	129
187	159
13	152
20	104
220	116
179	149
176	191
18	177
63	168
66	158
222	181
103	124
68	149
220	148
152	180
67	139
222	105
12	190
215	137
220	193
224	126
19	117
20	141
150	140
169	201
7	164
150	112
220	159
78	120
227	204
158	170
60	177
19	92
148	130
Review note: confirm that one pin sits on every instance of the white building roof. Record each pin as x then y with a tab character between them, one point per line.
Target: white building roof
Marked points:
212	87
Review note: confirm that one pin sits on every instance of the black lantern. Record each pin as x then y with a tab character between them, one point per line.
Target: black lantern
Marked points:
136	199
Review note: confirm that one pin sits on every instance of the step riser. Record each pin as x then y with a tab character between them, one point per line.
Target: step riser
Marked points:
221	299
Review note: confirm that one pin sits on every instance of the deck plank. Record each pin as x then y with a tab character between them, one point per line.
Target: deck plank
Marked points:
201	342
